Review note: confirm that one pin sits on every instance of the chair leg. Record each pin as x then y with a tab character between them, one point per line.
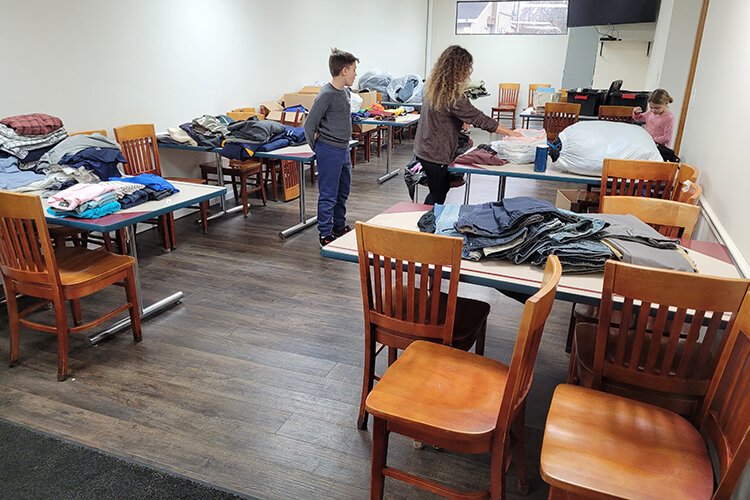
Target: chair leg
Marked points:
243	195
122	241
107	242
392	355
164	230
172	237
573	367
519	452
571	329
479	346
13	323
379	457
204	208
259	180
234	186
368	379
62	340
75	311
135	313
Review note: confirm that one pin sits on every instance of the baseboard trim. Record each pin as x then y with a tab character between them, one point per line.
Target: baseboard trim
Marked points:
721	234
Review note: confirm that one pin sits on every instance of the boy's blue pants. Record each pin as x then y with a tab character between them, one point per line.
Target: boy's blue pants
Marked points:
334	182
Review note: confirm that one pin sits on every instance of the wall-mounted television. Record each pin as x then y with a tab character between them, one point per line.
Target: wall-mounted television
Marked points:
599	12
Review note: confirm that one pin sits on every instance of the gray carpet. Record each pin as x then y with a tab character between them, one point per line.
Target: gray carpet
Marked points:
36	466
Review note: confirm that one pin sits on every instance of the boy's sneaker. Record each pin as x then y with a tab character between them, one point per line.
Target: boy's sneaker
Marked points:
324	240
341	232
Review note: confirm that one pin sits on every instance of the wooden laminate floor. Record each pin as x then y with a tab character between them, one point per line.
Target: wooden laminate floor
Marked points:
252	383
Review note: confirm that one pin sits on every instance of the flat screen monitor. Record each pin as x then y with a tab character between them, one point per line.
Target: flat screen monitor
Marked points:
600	12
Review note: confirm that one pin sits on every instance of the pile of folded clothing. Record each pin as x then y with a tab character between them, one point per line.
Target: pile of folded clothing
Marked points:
155	187
527	230
476	89
93	154
11	177
84	201
250	136
207	131
27	137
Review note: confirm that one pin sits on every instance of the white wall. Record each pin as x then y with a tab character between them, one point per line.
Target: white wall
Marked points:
500	58
102	64
622	60
714	139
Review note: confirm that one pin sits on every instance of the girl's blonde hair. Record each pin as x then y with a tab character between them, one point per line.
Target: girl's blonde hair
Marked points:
660	96
449	77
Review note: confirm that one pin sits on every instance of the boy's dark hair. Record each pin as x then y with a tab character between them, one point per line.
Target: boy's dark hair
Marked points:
338	60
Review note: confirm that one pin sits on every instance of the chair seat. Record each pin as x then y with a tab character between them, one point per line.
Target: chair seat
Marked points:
80	266
598	442
438	388
504	107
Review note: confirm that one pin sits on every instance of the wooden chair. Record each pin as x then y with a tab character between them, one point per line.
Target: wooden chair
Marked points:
616	113
645	178
507	102
139	146
670	218
402	303
685	173
461	401
643	350
558	116
31	267
532	88
240	173
598	445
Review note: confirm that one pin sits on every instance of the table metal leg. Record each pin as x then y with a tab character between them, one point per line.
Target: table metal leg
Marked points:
146	312
223	198
501	188
467	187
304	222
388	173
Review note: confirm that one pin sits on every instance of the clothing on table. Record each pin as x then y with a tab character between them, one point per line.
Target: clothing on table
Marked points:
158	186
133	199
20	145
79	174
495	218
334	184
330	118
254	130
33	124
122	189
179	136
208	141
73	145
437	130
480	156
33	156
659	126
70	198
11	177
49	184
102	161
91	213
209	125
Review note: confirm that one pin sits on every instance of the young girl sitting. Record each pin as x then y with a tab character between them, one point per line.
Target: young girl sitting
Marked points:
659	121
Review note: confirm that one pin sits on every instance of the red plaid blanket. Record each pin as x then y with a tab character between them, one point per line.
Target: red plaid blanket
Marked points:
33	124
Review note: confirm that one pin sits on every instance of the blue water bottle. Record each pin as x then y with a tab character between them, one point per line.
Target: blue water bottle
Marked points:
540	160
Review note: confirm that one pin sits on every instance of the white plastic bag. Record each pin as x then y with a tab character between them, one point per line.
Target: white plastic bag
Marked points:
520	149
355	102
406	89
586	144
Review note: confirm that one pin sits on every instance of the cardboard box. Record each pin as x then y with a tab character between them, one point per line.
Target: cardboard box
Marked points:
306	96
286	117
576	200
368	98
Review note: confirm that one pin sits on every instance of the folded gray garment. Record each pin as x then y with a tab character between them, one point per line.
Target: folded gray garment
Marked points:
630	227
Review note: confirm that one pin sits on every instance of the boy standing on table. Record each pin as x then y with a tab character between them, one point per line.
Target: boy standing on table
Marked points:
328	129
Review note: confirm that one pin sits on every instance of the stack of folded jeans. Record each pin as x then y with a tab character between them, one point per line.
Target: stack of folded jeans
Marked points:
527	230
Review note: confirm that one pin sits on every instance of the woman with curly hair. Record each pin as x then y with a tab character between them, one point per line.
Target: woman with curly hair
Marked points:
444	111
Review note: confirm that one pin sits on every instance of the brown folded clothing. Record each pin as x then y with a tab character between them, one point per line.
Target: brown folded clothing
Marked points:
479	156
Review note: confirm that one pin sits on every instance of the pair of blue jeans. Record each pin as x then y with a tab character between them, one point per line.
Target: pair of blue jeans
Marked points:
334	184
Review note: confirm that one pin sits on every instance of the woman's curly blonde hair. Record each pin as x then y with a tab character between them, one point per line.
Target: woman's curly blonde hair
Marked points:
449	77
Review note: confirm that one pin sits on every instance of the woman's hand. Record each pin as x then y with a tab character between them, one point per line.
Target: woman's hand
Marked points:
508	132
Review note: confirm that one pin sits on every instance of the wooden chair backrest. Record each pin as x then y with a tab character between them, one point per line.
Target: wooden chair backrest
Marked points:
401	274
138	143
725	415
507	94
691	195
535	313
558	116
653	353
685	173
648	179
670	218
26	254
532	88
90	132
616	113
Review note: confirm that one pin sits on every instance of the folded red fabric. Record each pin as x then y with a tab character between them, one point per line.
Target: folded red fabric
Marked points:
33	124
479	156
